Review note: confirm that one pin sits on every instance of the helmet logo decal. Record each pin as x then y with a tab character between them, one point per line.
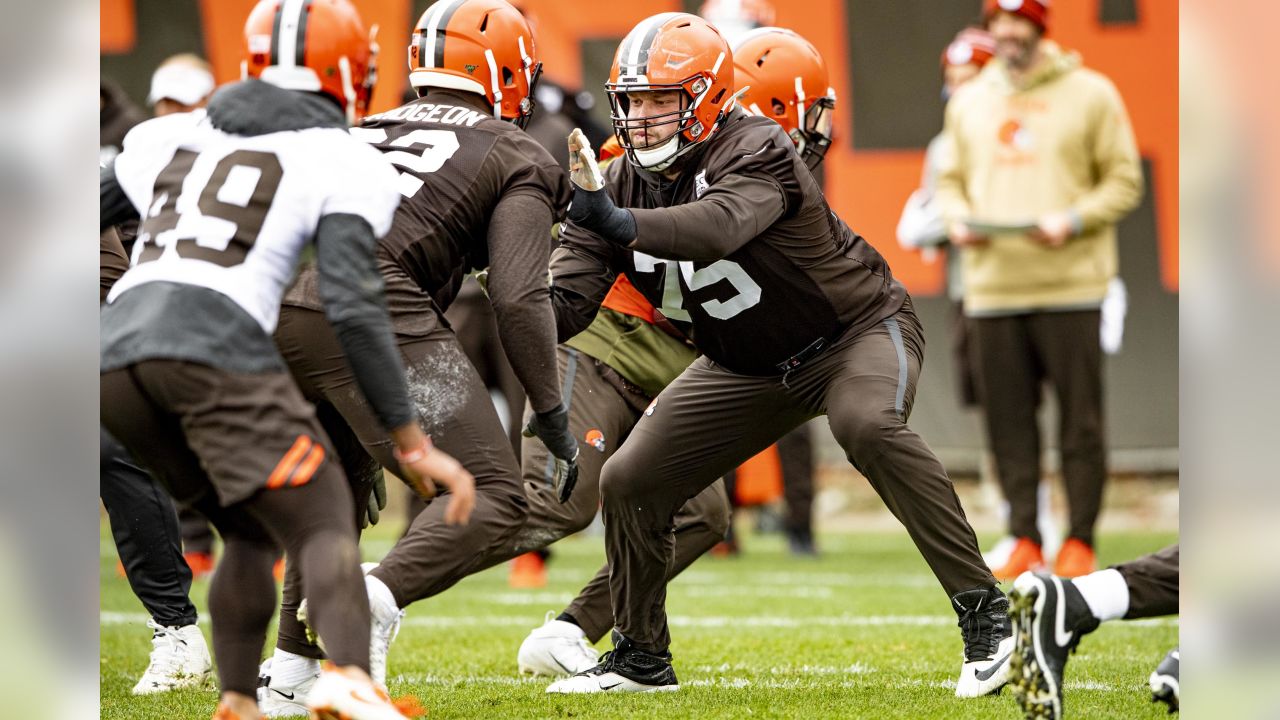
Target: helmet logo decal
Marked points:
595	439
471	69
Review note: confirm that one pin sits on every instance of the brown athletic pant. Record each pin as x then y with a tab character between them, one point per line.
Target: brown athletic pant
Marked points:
247	452
1013	357
1153	584
795	454
454	408
710	420
602	412
601	415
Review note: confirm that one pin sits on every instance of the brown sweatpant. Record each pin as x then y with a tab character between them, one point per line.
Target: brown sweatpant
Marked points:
1153	584
710	420
245	450
601	417
1013	357
454	408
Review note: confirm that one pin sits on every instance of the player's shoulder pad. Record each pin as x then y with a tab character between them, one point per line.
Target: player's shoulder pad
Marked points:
161	131
524	144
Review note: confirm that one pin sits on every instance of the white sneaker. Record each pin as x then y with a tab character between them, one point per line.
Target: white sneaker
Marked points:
284	682
556	649
338	696
384	625
998	556
984	677
179	659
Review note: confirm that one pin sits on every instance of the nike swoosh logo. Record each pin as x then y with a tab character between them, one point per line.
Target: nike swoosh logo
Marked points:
610	687
985	675
1060	634
286	696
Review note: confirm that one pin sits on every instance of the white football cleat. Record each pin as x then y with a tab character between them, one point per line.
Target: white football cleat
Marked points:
179	659
340	696
988	641
284	681
384	625
556	649
984	677
625	668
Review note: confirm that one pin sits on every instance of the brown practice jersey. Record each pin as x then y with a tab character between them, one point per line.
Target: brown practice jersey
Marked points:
740	251
456	162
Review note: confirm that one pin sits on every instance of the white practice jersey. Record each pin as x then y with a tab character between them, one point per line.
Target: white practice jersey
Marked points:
232	213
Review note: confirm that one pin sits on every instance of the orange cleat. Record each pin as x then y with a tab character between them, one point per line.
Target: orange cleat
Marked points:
1026	556
528	572
224	712
201	563
1076	558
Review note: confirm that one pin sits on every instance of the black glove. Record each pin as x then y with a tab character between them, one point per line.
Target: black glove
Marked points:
377	502
552	427
594	210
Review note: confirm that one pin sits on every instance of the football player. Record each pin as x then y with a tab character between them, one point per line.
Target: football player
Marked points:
716	221
630	352
191	382
478	193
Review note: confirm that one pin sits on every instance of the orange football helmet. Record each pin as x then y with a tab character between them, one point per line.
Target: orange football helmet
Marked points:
782	77
315	46
672	52
479	46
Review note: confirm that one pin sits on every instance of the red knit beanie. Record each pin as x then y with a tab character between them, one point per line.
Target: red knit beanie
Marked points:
1037	11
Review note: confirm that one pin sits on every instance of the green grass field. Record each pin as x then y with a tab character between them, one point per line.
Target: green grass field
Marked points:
861	632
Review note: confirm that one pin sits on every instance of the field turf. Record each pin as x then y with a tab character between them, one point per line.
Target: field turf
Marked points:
861	632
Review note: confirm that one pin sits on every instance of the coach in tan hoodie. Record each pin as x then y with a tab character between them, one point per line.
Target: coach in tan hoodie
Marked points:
1043	165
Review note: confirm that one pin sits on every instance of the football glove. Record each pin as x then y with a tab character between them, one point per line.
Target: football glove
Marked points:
377	502
592	208
552	427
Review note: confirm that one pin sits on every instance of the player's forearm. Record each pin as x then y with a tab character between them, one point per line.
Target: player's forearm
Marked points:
518	254
733	212
351	290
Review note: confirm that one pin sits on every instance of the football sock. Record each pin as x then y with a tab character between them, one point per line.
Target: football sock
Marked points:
1106	592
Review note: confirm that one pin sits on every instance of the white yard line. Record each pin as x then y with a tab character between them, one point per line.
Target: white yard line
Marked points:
709	621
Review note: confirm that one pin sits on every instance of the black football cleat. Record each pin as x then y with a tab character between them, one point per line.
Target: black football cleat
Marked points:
1164	681
626	668
1049	618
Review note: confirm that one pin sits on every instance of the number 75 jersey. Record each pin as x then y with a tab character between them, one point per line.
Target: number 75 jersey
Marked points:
233	213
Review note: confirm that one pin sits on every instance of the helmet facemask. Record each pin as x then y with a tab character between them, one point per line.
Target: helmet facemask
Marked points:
813	136
660	155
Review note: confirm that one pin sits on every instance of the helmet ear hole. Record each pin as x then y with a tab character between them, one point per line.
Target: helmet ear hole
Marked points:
779	107
484	23
719	96
508	77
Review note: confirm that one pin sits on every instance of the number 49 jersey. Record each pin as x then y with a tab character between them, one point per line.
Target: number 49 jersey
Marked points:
232	213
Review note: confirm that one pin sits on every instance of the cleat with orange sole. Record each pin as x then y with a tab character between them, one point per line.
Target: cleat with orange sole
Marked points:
201	563
1076	558
528	571
340	694
1025	557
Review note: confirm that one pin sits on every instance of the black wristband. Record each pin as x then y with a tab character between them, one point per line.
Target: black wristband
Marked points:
594	210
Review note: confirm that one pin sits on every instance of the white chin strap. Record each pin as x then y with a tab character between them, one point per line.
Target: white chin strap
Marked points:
659	158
